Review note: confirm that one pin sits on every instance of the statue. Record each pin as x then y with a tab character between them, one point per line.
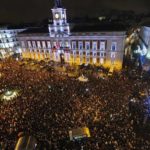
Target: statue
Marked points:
58	3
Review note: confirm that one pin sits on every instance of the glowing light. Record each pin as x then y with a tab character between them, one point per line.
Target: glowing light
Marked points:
133	100
83	79
56	15
19	50
87	89
101	60
127	39
9	95
94	60
102	18
140	51
79	133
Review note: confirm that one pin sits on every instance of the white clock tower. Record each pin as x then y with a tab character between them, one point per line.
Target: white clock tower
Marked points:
60	27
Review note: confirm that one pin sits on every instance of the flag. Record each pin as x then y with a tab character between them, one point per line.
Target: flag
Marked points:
57	45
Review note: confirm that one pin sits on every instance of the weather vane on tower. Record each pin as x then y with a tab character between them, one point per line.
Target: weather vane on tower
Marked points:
58	3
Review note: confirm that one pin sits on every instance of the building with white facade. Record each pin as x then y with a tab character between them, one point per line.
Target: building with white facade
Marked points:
8	41
144	39
78	44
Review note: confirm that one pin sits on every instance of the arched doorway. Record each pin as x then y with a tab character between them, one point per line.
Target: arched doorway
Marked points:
62	60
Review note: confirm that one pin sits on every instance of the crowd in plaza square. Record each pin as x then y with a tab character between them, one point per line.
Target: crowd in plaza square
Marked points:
50	104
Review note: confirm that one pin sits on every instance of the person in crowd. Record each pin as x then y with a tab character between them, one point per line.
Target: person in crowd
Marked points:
50	104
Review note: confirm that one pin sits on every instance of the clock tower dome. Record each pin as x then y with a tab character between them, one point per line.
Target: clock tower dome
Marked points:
60	27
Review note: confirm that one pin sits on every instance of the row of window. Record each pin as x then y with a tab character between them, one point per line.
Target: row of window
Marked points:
7	36
43	44
94	46
88	60
102	54
9	45
7	40
74	45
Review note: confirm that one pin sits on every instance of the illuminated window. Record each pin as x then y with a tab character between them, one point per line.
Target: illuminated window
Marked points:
49	44
94	45
94	60
102	45
29	44
102	54
74	53
87	53
62	44
23	44
94	54
66	44
113	55
114	46
87	60
43	44
101	60
58	44
74	45
33	44
63	15
80	53
38	44
54	44
80	45
87	45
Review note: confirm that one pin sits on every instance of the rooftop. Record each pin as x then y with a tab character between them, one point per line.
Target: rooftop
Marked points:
98	27
35	30
78	28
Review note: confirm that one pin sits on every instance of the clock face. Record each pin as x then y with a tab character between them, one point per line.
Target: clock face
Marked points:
57	15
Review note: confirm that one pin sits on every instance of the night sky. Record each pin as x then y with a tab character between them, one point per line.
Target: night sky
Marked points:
34	10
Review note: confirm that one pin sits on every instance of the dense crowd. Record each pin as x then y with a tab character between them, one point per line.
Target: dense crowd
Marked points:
50	104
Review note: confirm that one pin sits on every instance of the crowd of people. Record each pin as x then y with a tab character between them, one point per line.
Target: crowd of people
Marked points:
50	104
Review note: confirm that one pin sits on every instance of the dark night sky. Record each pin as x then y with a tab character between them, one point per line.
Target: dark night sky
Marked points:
33	10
